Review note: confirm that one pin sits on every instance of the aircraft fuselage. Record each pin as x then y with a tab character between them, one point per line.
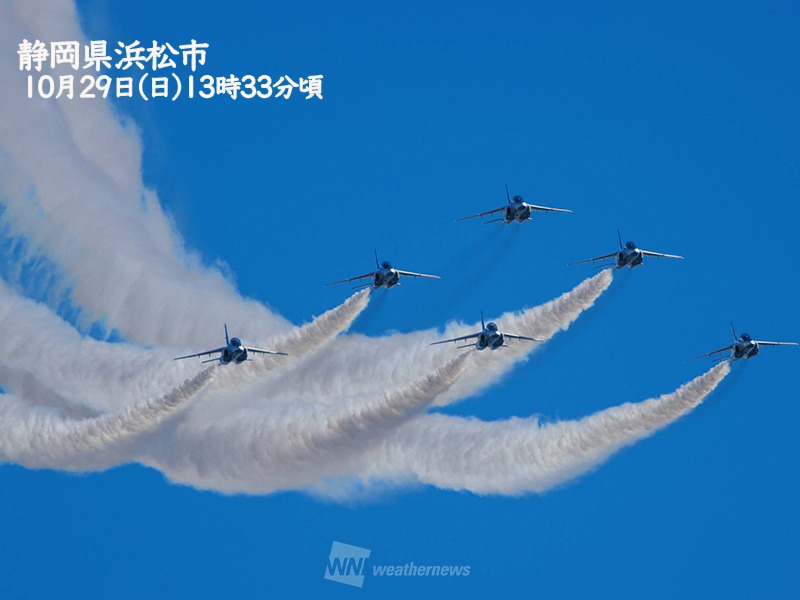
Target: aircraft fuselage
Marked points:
233	354
385	278
516	211
489	339
628	256
744	349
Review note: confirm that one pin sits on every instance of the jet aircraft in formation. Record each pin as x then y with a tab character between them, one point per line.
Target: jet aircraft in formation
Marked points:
232	352
743	346
385	275
628	255
516	209
490	337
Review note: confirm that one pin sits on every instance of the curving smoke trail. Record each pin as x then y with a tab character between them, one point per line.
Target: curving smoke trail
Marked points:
258	451
70	180
39	349
311	336
38	437
373	363
520	455
301	341
86	373
71	188
381	441
541	322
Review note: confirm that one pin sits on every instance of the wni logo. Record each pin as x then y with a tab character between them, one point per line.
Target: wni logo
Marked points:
346	564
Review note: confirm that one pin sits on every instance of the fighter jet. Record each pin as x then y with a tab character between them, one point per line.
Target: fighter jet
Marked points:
385	275
515	210
627	256
743	346
233	351
491	337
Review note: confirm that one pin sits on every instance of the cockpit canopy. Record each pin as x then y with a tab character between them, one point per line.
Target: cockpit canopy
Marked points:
746	337
518	199
386	265
236	342
491	327
630	245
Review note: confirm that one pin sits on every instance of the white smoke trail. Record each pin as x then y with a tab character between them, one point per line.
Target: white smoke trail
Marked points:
520	455
301	341
257	451
70	180
86	373
374	363
76	126
375	442
541	322
38	437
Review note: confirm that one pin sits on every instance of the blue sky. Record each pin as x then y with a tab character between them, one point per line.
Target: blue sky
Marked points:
677	124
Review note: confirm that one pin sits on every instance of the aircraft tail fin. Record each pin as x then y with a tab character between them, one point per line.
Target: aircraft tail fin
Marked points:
733	331
227	341
508	196
619	239
483	323
376	259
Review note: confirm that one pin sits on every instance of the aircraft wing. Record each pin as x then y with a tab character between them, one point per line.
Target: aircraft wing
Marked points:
760	343
662	255
260	351
352	279
458	339
725	349
521	337
206	353
412	274
549	209
588	260
483	214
